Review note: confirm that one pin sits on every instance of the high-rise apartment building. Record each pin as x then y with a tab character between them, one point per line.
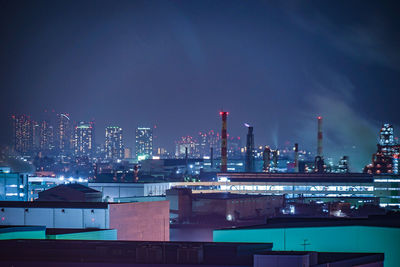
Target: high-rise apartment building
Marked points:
35	135
64	132
144	143
84	139
46	136
23	134
114	146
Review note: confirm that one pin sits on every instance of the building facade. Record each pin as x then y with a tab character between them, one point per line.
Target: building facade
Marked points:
143	143
114	145
46	136
133	221
83	140
64	131
13	186
23	134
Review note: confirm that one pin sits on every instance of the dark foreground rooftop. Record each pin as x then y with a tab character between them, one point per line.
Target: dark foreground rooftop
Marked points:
113	253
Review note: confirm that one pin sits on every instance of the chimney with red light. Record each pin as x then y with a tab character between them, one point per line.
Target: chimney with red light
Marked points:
224	142
319	141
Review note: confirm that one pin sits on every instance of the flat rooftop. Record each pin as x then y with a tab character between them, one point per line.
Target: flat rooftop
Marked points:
53	204
62	231
300	222
20	228
297	177
226	195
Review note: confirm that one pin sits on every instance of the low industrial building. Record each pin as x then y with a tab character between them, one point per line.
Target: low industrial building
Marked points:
37	184
133	221
306	185
13	186
222	206
377	234
116	253
70	193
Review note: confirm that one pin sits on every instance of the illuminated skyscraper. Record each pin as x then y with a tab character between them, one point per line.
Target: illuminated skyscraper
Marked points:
23	134
83	139
144	143
35	136
63	132
114	145
46	136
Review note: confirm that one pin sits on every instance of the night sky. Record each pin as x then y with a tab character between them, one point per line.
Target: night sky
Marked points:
274	65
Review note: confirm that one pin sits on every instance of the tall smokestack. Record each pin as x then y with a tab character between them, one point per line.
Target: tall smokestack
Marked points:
224	142
319	142
296	157
212	157
250	149
186	159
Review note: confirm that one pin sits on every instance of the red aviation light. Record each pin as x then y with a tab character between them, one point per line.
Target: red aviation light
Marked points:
319	117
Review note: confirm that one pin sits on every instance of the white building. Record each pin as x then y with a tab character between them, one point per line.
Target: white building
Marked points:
133	221
120	190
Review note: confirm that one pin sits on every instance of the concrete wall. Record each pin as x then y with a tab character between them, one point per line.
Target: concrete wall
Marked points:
281	260
323	239
239	208
210	206
55	217
180	203
142	221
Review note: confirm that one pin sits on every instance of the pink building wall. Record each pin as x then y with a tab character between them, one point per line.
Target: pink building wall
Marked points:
141	221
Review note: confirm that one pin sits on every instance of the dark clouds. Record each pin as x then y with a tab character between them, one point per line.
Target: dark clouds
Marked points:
176	63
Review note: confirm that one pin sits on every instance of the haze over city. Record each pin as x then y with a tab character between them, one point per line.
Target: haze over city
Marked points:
175	64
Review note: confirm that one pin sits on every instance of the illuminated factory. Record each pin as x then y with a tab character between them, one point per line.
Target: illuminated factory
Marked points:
316	186
385	160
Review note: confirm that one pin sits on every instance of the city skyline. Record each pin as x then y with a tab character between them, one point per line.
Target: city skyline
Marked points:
33	136
275	66
56	125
